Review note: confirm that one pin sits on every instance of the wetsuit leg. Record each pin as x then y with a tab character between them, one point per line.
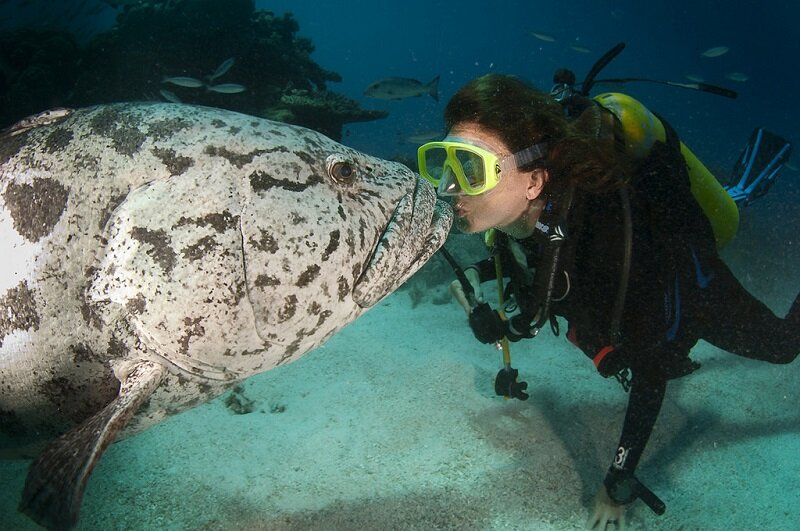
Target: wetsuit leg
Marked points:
726	315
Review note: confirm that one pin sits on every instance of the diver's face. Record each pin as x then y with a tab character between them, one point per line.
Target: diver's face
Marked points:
507	206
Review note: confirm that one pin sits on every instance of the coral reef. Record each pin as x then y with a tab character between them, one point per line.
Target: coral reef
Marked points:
320	110
272	73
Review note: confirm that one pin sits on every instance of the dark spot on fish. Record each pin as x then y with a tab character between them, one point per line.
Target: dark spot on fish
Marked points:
323	317
176	164
340	210
261	182
127	140
296	219
237	159
58	139
199	250
161	129
193	329
121	128
11	145
35	208
83	353
137	305
289	308
333	244
308	276
17	311
217	123
266	243
105	121
305	157
314	308
90	316
116	348
161	251
362	227
356	271
263	281
290	351
232	130
344	288
110	207
220	222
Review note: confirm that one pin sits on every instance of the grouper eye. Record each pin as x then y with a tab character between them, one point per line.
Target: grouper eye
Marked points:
341	170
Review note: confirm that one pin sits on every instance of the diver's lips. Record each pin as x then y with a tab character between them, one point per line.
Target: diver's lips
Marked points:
418	227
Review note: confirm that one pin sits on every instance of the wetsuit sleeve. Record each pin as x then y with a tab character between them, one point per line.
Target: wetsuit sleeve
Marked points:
646	396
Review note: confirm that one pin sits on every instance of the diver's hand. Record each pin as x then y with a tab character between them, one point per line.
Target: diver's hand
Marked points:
486	324
606	512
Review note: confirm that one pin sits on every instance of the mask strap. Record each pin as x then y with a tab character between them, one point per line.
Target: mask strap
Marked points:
530	154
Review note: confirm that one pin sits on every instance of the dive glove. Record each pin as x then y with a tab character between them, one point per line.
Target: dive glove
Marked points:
486	324
489	327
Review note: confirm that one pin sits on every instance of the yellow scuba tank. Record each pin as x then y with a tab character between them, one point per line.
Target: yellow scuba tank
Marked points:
642	128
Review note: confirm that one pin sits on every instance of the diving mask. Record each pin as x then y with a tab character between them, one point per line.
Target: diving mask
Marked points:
457	167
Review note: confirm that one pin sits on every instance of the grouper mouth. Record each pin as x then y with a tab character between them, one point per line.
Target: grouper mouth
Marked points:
418	227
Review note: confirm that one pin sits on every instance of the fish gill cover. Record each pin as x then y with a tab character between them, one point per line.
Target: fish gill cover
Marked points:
266	66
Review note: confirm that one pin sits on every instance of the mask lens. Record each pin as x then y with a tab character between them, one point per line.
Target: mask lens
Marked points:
434	160
473	168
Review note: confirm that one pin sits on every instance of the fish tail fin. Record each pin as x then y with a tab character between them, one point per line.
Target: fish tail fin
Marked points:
57	478
433	88
758	166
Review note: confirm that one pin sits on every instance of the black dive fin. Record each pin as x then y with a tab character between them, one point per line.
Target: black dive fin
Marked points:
57	478
758	166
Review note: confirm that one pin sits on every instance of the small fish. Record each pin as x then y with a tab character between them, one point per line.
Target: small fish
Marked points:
226	88
223	68
716	51
423	136
737	76
581	49
169	96
696	79
399	88
543	36
183	81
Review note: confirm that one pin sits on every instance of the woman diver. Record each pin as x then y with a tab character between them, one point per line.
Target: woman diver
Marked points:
606	219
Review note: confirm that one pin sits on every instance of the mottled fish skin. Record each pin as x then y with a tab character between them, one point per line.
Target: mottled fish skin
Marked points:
216	244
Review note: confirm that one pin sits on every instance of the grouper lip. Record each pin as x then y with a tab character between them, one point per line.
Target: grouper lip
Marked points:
418	227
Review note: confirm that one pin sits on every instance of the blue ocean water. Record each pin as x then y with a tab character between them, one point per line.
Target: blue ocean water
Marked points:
365	41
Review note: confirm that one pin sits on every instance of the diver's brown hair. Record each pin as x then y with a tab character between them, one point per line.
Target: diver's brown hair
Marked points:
522	115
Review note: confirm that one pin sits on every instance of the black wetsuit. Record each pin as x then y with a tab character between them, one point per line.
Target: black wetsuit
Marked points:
679	291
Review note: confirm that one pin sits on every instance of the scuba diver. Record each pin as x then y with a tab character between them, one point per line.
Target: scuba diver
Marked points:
600	215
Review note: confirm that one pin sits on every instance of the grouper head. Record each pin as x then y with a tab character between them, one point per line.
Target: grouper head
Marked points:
343	230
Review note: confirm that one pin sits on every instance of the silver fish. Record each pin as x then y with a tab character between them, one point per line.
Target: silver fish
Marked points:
223	68
226	88
737	76
155	254
169	96
398	88
184	81
716	51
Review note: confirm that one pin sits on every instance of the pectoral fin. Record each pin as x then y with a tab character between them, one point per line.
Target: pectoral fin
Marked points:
57	478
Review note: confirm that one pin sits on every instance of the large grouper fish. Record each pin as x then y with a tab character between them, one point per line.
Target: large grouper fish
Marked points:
154	255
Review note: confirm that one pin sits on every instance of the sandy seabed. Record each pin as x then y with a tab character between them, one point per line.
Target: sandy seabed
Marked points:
394	424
